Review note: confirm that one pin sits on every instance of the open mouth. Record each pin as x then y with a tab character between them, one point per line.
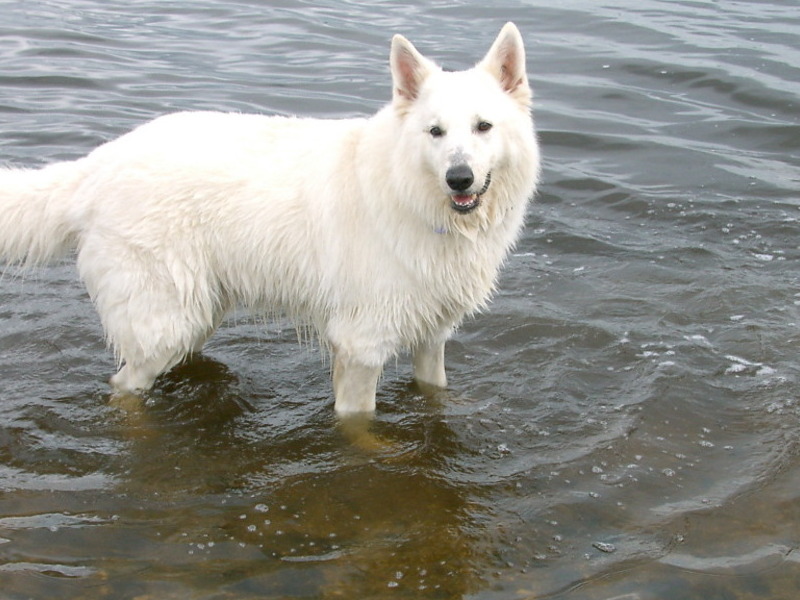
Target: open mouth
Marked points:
465	203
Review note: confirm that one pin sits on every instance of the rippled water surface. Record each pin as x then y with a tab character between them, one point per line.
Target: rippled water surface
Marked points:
623	422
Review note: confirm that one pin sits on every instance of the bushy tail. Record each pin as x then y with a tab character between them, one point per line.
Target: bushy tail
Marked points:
37	212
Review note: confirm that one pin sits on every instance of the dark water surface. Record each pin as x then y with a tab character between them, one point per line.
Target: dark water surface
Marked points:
623	423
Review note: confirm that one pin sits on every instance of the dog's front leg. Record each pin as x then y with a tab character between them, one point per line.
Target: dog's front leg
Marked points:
354	385
429	364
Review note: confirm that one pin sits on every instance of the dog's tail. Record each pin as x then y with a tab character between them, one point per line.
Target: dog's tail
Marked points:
38	217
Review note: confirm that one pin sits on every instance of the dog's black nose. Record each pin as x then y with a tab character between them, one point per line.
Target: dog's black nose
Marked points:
459	177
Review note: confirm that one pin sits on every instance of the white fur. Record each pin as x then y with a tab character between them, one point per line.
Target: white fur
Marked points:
346	226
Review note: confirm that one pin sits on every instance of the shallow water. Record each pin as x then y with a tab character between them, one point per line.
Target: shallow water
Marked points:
623	422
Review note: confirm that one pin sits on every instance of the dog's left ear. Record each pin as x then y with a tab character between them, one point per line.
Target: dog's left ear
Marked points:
506	62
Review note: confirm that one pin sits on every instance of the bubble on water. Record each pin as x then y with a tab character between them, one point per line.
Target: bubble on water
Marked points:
262	508
605	547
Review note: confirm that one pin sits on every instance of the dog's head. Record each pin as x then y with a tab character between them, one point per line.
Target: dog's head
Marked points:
465	127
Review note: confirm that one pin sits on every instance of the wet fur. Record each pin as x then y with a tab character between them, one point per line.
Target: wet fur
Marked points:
346	226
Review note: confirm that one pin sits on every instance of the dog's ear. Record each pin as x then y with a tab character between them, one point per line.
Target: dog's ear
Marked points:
506	62
409	71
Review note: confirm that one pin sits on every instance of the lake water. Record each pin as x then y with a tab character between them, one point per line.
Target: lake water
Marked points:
624	423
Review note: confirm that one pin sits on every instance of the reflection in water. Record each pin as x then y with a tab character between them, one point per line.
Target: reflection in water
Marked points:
242	508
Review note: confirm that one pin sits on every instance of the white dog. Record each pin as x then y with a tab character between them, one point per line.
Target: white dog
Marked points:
380	234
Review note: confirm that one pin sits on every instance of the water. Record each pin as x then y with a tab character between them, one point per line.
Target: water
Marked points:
623	422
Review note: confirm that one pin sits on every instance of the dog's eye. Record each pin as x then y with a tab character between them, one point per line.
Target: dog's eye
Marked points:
436	131
483	126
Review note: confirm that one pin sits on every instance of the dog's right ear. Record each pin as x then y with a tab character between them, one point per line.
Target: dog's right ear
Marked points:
506	62
409	71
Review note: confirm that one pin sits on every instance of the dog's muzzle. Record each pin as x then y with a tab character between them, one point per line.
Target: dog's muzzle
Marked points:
460	179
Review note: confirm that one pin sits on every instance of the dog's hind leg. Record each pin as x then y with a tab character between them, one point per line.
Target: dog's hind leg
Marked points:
153	347
152	318
150	344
